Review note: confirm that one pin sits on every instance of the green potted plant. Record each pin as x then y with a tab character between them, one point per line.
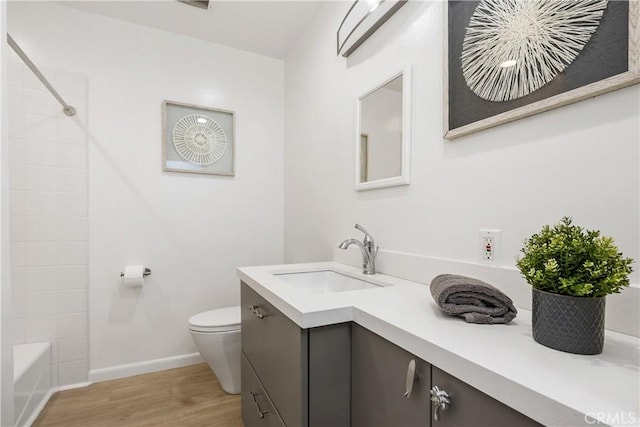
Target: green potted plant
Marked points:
571	271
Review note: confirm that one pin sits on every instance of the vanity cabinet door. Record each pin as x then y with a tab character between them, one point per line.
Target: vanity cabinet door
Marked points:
277	350
469	407
379	371
257	409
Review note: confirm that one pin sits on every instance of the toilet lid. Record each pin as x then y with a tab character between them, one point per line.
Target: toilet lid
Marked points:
218	320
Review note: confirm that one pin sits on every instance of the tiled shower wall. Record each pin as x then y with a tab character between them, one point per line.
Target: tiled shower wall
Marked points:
48	207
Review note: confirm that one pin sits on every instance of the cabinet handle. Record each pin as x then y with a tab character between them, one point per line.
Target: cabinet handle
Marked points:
255	402
440	401
411	378
256	310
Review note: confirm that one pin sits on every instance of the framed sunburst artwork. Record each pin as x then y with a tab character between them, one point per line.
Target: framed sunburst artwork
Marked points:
509	59
197	139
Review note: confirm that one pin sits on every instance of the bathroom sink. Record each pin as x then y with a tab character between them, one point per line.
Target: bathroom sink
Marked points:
325	282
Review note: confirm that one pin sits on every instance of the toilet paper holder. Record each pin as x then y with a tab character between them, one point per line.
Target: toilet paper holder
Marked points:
147	272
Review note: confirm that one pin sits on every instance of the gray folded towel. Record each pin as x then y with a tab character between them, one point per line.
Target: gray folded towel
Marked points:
473	299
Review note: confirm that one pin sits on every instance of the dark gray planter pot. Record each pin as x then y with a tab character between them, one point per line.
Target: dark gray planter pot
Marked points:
566	323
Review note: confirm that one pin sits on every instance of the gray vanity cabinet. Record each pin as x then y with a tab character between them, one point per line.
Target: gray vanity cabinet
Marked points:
345	375
303	374
275	347
470	407
257	407
379	381
381	375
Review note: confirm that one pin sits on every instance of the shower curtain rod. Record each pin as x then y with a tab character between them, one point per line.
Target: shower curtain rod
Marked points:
67	109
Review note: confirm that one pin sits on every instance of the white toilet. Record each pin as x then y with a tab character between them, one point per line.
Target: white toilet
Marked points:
217	337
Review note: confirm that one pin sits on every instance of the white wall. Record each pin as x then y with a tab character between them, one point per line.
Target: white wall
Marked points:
191	230
48	207
6	323
581	160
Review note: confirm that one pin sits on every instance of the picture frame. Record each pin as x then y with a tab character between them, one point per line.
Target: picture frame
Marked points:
197	139
609	60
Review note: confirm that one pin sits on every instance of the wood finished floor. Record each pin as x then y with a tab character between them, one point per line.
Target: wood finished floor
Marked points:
182	397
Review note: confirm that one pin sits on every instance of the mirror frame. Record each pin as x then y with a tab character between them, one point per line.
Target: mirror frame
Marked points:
405	177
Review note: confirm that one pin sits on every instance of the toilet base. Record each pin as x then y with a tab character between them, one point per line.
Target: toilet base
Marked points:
221	351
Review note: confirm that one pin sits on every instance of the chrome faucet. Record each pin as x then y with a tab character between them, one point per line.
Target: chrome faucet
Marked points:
368	249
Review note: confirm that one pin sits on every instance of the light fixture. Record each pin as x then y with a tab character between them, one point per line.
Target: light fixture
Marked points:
202	120
373	4
363	19
202	4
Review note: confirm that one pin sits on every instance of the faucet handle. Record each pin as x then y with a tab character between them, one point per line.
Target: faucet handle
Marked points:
368	238
366	233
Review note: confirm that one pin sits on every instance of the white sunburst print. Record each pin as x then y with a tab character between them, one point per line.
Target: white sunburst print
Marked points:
199	139
514	47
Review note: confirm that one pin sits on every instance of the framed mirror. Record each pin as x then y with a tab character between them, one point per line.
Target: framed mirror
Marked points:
383	136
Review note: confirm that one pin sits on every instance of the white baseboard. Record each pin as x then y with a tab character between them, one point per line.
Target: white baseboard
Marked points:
121	371
71	386
621	315
129	370
34	415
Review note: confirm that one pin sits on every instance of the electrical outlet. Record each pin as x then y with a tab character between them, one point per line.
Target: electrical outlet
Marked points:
490	242
488	246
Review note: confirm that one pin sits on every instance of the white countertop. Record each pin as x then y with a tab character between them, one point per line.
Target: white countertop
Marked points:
503	361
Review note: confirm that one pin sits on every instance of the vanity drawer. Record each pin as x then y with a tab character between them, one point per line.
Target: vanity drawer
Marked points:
277	350
257	409
470	407
389	385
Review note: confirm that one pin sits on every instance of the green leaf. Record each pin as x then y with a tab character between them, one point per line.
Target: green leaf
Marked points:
567	259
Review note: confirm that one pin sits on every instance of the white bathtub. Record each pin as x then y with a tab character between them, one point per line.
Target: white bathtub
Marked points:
31	379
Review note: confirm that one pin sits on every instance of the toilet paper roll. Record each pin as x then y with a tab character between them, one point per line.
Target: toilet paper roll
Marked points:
134	275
